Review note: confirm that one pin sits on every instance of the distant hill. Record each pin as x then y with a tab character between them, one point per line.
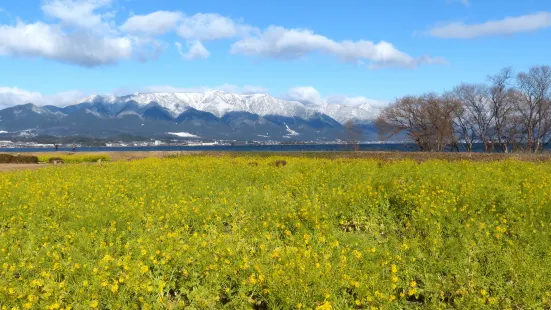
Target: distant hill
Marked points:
209	115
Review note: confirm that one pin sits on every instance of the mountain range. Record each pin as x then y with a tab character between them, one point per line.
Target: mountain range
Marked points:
209	115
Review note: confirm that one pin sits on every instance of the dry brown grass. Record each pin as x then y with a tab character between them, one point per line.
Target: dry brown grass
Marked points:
14	167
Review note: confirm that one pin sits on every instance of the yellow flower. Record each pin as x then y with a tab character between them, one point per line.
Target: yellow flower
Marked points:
144	269
357	253
94	304
325	306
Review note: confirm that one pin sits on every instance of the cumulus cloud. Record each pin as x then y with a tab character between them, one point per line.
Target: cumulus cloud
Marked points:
200	26
84	36
506	26
281	43
11	96
79	13
196	50
355	101
207	27
50	41
156	23
304	94
310	95
274	42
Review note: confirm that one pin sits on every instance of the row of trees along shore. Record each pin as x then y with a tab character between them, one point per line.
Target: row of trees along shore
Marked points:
510	112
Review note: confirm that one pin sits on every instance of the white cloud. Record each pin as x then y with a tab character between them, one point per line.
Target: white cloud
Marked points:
274	42
196	50
146	48
355	101
506	26
310	95
49	41
304	94
201	26
79	13
11	96
281	43
156	23
207	27
84	36
340	107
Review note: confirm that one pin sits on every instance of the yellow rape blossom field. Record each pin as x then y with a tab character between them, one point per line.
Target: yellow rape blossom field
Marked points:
203	232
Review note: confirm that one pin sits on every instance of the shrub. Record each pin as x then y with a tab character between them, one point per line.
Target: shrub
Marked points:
279	163
18	159
52	159
72	158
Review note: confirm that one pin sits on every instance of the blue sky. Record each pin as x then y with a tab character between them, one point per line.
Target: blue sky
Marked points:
54	51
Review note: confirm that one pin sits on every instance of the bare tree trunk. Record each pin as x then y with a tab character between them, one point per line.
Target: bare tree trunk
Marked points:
505	147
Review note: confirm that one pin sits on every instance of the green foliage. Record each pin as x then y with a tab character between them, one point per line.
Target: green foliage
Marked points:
73	158
215	233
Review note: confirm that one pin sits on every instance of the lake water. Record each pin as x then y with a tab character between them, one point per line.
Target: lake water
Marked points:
238	148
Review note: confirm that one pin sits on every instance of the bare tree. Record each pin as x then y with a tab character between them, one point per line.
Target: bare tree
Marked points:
476	110
405	115
502	99
440	114
510	116
427	120
463	125
354	134
534	106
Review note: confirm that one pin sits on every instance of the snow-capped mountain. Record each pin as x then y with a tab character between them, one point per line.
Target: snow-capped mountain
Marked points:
213	114
220	103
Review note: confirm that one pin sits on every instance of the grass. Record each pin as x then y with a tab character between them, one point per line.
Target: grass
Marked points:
248	233
376	155
72	158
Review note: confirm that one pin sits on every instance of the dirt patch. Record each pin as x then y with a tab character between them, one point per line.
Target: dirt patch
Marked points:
14	167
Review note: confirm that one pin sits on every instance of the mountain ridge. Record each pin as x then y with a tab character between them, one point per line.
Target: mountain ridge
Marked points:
213	114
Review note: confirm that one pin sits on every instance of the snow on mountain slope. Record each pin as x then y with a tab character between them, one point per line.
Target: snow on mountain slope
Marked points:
290	131
183	134
220	103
